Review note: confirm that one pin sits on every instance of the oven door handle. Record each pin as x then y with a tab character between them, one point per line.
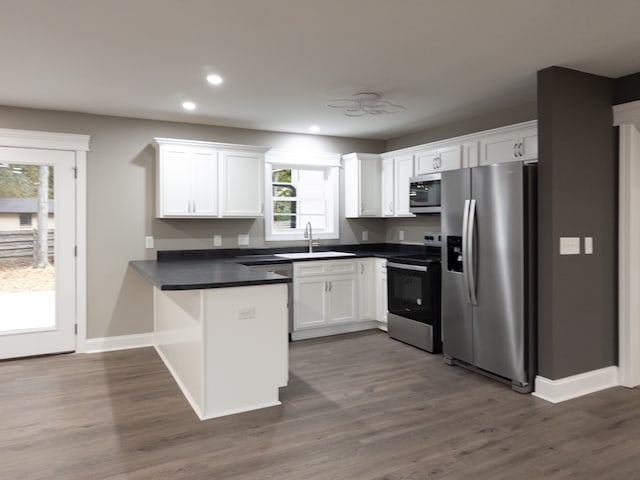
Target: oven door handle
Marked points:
465	251
405	266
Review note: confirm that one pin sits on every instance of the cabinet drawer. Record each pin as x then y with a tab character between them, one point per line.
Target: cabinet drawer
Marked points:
324	267
306	269
341	266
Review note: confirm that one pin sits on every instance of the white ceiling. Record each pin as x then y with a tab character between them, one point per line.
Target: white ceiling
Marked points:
283	60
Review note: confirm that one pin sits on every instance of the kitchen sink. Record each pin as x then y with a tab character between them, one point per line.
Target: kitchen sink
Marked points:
293	256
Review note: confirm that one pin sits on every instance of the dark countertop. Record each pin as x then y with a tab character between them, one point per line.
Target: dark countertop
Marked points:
219	268
200	274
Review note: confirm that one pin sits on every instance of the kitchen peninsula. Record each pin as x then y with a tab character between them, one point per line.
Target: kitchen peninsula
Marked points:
221	330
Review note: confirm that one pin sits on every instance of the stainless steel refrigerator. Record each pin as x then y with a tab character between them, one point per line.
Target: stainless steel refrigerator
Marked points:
489	271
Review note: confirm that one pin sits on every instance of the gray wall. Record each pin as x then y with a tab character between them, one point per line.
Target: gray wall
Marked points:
577	198
627	89
120	183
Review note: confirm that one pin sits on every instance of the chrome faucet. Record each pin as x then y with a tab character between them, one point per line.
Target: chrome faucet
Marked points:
308	234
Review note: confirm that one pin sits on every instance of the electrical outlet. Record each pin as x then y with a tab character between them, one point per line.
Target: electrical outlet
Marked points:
243	239
246	313
217	240
365	236
148	242
401	235
588	245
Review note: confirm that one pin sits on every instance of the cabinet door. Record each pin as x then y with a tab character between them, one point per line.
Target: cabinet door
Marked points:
403	171
204	184
388	209
366	290
449	158
470	154
309	302
426	162
369	188
174	183
341	305
498	148
241	184
529	143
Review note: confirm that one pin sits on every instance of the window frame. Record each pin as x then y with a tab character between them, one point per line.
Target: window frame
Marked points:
330	163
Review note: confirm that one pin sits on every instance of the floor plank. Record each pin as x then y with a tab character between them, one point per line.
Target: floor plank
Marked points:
358	406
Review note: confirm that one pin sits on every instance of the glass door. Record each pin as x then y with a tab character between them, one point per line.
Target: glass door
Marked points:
37	259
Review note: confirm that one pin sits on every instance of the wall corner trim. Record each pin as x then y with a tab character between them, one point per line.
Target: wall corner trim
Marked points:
556	391
122	342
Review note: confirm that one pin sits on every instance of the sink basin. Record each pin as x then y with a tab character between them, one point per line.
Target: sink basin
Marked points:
293	256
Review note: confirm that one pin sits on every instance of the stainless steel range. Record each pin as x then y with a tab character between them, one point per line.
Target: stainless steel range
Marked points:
413	288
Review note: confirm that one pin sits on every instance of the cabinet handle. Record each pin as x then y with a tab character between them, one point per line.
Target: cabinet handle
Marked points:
391	206
361	268
515	150
521	149
194	206
326	286
361	208
330	286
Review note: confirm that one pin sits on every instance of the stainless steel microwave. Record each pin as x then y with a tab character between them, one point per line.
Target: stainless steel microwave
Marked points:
424	194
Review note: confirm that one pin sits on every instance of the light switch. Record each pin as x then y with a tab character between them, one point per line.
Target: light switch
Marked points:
569	245
243	239
588	245
365	236
148	242
401	235
217	240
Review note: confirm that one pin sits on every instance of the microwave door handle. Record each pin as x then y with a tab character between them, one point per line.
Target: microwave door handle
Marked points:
471	257
465	266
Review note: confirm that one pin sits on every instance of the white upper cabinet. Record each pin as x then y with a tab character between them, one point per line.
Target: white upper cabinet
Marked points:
402	172
470	154
387	188
208	180
362	180
241	174
509	144
438	159
396	172
185	181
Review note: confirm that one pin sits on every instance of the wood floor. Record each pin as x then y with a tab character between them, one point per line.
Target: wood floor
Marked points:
358	406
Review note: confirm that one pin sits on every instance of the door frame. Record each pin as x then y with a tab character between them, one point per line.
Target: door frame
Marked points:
79	145
627	118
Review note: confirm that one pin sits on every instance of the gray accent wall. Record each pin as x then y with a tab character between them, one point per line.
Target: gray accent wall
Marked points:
577	314
627	89
120	204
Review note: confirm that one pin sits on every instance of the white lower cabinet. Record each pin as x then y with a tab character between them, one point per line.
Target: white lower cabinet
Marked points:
327	297
366	289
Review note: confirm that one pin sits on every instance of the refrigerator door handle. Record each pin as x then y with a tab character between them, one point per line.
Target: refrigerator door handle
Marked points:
465	251
471	268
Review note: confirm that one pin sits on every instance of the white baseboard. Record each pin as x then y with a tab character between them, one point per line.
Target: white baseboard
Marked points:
556	391
122	342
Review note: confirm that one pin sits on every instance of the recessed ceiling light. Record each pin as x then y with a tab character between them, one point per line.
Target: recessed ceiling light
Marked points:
314	128
188	105
214	79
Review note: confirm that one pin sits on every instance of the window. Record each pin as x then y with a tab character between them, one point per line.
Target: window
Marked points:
301	189
25	219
